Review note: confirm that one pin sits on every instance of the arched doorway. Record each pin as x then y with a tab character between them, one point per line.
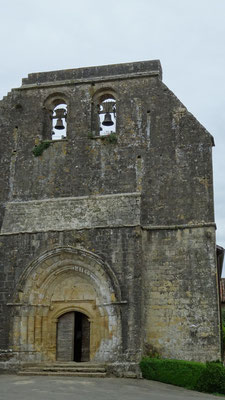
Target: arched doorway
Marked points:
59	282
73	337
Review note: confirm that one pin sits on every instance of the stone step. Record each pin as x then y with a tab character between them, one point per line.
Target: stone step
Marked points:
66	369
70	364
64	373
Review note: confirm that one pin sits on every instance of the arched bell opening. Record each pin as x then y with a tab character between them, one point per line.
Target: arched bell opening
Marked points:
104	113
59	124
73	337
55	120
107	115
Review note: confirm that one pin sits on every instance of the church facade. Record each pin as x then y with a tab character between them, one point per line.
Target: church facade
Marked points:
107	223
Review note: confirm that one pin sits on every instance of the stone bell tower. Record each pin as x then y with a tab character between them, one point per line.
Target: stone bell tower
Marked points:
107	223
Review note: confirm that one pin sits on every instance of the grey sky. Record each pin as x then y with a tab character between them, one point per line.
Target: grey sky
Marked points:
188	36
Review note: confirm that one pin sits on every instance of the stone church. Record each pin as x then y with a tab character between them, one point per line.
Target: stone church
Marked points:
107	222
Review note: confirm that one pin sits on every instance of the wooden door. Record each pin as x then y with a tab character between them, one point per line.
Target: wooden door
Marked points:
73	337
65	337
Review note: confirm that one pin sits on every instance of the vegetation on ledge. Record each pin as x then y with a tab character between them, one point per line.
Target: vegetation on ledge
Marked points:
109	138
38	149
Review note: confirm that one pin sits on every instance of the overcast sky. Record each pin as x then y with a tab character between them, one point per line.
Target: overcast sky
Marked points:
188	36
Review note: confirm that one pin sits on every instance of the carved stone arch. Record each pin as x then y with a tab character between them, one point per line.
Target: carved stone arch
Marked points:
103	92
65	310
61	280
54	99
55	254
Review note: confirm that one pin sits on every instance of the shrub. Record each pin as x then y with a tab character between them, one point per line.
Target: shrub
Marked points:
176	372
209	377
212	379
38	150
223	334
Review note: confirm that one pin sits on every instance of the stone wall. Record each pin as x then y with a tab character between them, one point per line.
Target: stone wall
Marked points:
72	213
119	248
180	281
136	210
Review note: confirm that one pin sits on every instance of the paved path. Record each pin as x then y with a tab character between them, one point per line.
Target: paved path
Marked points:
13	387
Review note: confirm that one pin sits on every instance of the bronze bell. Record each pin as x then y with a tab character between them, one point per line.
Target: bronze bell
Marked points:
60	113
108	120
59	124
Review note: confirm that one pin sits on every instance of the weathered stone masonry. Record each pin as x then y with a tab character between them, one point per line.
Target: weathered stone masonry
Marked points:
117	228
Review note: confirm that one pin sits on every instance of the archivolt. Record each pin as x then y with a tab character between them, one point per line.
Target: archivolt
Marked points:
46	267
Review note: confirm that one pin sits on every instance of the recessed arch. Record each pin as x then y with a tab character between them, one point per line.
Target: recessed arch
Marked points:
68	309
56	257
63	280
102	93
54	99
